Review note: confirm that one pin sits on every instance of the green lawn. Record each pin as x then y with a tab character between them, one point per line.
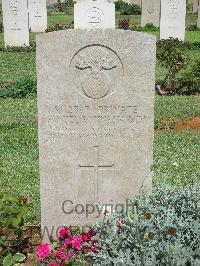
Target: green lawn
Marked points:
175	153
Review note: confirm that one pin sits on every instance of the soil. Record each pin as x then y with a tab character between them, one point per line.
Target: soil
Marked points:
193	123
170	123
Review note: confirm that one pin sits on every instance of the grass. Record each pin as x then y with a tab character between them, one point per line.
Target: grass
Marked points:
175	153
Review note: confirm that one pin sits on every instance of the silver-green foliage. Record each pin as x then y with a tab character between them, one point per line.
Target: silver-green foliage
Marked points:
163	229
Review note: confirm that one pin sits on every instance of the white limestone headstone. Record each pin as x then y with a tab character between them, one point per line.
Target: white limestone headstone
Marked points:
98	14
150	12
173	13
37	15
15	22
195	6
96	123
198	20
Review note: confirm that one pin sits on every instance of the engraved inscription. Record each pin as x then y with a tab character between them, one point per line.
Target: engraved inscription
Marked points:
97	167
96	70
173	7
14	7
95	17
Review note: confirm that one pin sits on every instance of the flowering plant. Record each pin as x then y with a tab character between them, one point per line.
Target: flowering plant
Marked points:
71	246
124	24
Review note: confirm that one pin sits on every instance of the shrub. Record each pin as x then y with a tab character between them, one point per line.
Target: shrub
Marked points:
1	26
149	27
22	49
163	229
127	9
64	5
189	82
21	89
12	212
60	26
171	54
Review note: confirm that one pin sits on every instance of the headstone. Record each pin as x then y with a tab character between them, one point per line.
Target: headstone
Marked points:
37	15
173	13
98	14
150	12
15	22
198	19
96	122
195	6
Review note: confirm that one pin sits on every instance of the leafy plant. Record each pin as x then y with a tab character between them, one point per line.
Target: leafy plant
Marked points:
12	212
21	89
171	54
162	229
14	260
189	82
1	26
127	9
59	26
23	49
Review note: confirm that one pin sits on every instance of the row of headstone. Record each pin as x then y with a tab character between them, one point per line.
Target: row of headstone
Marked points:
168	14
19	17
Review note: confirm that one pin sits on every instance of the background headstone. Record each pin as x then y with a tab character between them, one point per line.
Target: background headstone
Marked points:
173	13
37	15
99	14
15	22
96	123
198	19
150	12
195	6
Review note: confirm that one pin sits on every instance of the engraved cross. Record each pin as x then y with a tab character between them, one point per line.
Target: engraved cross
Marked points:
97	167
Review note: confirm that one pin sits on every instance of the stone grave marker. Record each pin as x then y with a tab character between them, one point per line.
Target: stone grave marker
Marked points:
198	19
96	124
173	13
195	6
15	22
98	14
150	12
37	15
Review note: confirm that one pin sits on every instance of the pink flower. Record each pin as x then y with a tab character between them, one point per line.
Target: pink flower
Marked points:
43	251
53	264
90	232
63	232
77	245
60	255
68	241
86	237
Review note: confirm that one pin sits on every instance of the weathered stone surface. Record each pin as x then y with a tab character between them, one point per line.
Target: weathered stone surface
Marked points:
37	15
195	6
150	12
99	14
15	22
173	13
95	106
198	19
